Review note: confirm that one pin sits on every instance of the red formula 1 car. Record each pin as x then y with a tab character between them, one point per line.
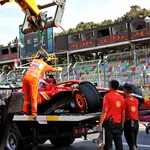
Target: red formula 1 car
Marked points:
80	97
69	97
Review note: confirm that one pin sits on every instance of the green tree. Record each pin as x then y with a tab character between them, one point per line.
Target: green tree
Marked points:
14	41
135	12
1	45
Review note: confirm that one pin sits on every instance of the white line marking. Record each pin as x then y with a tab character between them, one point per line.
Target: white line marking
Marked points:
79	139
139	145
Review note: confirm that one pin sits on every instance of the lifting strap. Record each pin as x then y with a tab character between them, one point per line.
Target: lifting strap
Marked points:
41	37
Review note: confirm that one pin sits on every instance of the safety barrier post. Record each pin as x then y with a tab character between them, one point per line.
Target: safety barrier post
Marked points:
74	70
99	78
68	71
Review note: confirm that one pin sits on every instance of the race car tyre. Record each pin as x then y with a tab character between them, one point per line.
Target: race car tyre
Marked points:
62	141
13	140
86	98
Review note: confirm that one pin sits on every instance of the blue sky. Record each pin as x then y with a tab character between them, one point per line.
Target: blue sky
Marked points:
76	11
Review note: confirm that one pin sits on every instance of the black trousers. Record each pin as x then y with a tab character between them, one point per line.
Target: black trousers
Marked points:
131	129
113	132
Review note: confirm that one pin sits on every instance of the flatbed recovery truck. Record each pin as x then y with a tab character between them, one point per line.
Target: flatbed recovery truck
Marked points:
61	130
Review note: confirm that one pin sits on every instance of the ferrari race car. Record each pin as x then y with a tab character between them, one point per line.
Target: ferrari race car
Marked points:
80	97
69	97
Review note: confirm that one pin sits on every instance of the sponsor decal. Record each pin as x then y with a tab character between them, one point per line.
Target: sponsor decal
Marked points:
133	108
59	110
118	104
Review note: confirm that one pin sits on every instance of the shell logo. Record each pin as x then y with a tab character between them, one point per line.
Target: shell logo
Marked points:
118	104
133	108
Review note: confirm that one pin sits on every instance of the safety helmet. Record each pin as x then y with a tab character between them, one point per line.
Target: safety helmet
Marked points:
43	55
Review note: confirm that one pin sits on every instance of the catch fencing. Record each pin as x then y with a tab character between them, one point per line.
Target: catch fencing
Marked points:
132	67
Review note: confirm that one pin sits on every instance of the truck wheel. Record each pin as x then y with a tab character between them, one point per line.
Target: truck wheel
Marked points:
13	140
62	141
86	98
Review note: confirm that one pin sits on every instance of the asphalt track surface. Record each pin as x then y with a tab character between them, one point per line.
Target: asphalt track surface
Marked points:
80	144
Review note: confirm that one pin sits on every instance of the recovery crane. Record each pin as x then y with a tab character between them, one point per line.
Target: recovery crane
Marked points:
35	19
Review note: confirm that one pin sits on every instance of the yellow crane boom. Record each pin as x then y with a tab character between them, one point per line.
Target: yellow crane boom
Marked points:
35	19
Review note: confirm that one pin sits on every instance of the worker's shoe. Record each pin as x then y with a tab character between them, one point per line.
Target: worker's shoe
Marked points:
22	113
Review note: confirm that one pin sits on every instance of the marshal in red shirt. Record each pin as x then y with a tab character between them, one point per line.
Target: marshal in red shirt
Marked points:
131	108
115	104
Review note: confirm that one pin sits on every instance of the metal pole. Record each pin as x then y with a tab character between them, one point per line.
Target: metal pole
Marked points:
74	71
144	74
99	78
104	75
68	69
134	58
62	29
68	59
105	79
20	56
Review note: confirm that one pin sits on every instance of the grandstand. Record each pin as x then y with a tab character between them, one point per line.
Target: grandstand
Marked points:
120	66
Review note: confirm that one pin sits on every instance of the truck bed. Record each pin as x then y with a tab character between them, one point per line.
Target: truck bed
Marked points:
46	118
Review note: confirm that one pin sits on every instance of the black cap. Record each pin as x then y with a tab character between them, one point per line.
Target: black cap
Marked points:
42	55
128	88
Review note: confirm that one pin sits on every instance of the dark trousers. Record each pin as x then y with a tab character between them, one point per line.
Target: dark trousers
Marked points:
130	132
113	132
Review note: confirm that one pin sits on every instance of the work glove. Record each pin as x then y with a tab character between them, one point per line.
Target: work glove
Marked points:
59	69
146	97
99	129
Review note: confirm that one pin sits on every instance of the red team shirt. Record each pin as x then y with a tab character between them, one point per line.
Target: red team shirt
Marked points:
131	107
115	104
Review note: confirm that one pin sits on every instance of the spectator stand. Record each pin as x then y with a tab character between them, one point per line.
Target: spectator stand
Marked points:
88	71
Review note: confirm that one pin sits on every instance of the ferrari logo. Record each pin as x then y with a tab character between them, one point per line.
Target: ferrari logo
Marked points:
133	108
118	104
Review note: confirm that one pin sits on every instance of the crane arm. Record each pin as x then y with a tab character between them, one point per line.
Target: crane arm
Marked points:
35	19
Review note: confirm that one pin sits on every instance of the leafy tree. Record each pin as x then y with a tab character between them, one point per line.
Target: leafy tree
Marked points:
14	41
135	12
1	45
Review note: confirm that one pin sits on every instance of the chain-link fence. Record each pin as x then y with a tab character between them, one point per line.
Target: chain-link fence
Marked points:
132	67
64	75
87	70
